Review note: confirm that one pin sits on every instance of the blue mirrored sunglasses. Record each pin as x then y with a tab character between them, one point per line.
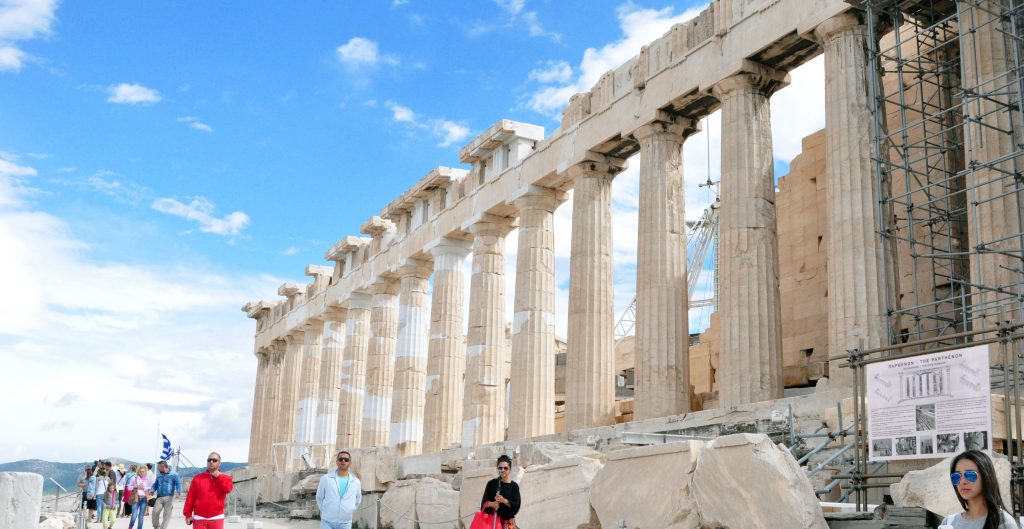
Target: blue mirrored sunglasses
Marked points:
970	475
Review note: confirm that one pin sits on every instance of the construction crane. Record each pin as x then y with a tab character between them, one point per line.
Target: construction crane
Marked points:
700	237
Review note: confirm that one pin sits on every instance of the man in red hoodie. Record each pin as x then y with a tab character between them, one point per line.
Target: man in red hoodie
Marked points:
204	504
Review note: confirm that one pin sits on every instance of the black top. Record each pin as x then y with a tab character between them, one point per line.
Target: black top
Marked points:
511	493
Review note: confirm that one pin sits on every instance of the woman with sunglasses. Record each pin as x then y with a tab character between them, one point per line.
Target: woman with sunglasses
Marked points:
974	481
502	493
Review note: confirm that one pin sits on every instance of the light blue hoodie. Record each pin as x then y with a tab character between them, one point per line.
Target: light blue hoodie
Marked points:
333	506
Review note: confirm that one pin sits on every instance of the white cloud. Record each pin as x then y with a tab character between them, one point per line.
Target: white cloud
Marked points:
552	72
396	3
512	7
134	326
201	211
639	27
291	250
12	181
515	16
121	190
448	132
132	94
195	123
360	52
11	59
22	20
402	114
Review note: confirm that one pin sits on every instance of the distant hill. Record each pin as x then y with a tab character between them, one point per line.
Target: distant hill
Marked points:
67	473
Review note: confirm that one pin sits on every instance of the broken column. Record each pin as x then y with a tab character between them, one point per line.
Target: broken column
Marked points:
590	360
332	347
662	318
309	402
446	351
350	399
406	433
751	350
856	299
483	418
380	363
532	392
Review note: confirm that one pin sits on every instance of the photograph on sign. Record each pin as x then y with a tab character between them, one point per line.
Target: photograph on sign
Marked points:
929	406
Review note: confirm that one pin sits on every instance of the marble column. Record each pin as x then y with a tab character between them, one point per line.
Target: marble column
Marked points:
380	363
483	419
309	394
532	392
332	346
750	361
406	433
258	408
662	318
856	260
290	387
446	351
272	428
357	338
991	131
590	359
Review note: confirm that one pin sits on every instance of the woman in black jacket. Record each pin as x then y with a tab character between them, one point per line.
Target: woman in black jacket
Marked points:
502	493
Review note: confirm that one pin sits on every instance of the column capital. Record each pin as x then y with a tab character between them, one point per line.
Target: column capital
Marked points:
673	128
384	285
335	314
752	76
359	301
841	23
263	354
419	268
313	325
449	246
295	337
486	224
538	197
597	166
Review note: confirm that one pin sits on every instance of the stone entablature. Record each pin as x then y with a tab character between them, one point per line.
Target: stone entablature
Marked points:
682	68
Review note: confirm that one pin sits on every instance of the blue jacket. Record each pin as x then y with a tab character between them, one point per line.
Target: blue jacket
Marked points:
167	484
334	507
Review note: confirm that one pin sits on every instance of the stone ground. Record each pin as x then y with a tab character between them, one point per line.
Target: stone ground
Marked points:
178	522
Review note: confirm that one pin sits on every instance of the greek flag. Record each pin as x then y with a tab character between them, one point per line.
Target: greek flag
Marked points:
168	452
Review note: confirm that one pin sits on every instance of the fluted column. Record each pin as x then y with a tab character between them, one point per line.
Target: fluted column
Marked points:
991	131
309	394
590	359
662	318
272	427
380	363
483	418
446	351
258	408
357	338
290	388
751	349
856	262
532	392
411	359
332	346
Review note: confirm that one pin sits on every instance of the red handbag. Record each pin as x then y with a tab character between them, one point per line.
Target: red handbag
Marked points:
483	520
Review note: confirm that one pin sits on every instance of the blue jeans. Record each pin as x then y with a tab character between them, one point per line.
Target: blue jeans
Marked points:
325	524
139	509
99	507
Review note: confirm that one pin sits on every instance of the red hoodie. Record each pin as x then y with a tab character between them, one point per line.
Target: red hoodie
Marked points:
206	495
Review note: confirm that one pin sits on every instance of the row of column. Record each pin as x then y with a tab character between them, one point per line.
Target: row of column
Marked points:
409	380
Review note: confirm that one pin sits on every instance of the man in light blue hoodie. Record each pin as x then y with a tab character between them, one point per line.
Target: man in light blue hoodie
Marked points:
338	495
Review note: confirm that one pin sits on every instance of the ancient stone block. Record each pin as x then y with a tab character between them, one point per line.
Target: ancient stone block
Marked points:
533	454
557	495
398	505
437	505
750	470
930	488
376	467
21	494
664	471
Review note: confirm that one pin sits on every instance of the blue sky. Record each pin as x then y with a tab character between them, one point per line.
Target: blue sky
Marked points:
162	163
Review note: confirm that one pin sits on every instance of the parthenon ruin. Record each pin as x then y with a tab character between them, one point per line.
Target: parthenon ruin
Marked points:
379	350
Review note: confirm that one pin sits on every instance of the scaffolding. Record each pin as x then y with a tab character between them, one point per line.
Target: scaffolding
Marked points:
947	88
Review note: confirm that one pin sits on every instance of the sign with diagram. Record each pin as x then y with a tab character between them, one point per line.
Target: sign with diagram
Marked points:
929	406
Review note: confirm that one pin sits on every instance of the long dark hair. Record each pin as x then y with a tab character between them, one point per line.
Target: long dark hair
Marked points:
989	486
